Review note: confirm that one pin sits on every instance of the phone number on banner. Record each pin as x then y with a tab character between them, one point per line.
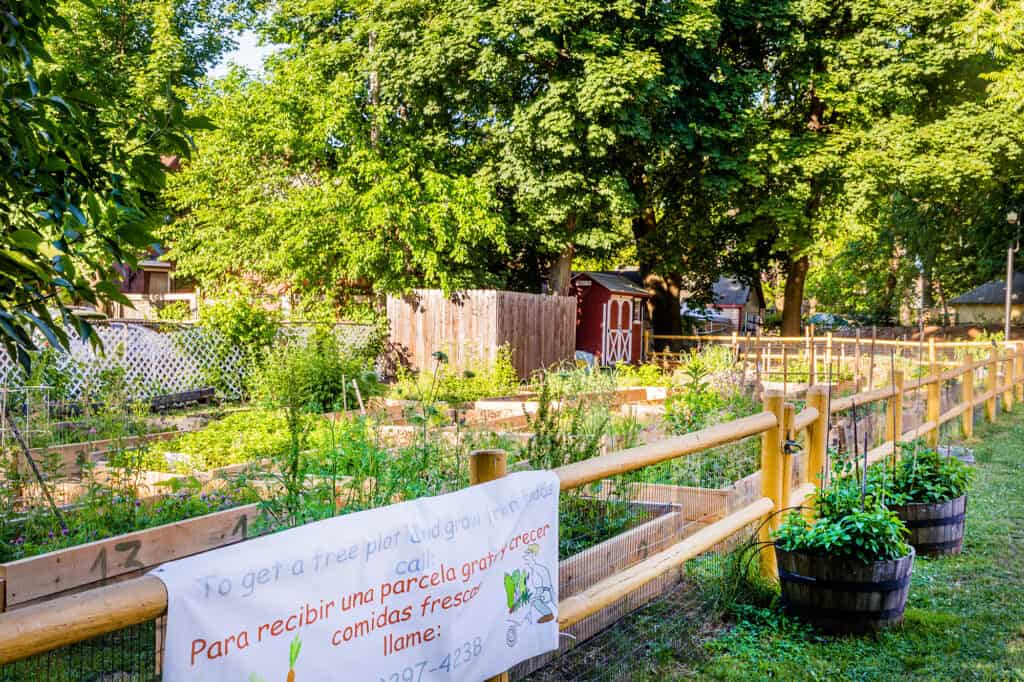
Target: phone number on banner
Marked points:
457	657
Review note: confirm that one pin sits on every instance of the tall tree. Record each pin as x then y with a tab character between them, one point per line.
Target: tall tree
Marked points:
75	192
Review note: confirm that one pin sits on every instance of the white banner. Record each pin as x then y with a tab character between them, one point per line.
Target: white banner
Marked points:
457	587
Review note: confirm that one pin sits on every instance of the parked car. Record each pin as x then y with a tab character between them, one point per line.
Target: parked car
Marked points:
829	321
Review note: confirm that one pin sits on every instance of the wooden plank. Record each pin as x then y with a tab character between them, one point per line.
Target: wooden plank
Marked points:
69	454
55	572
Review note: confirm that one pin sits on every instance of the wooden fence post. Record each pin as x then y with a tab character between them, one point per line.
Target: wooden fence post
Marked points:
484	466
871	359
1008	378
991	382
788	416
967	398
934	395
894	412
812	360
1019	373
856	362
771	479
817	436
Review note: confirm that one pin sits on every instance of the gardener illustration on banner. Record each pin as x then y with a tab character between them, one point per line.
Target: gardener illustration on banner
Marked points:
530	594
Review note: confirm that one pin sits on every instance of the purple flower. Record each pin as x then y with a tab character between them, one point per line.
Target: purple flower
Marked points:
18	540
51	534
64	531
92	431
138	503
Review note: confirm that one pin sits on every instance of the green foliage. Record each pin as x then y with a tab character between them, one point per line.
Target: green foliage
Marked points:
77	192
175	311
848	521
244	327
698	403
480	379
924	476
319	370
248	436
111	504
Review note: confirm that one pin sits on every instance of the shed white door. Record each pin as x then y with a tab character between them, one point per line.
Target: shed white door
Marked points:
617	341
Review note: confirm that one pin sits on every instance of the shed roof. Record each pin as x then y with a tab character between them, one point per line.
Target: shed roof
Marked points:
992	293
615	283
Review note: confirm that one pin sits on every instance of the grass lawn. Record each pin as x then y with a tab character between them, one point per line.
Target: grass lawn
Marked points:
964	619
965	616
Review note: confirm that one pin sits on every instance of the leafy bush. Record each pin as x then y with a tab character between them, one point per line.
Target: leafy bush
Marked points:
319	370
925	476
699	404
238	438
850	520
243	325
647	374
480	379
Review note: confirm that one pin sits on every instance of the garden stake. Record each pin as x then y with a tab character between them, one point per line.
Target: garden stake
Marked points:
856	458
35	469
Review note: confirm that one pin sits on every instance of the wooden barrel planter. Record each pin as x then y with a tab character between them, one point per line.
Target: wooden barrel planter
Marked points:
844	596
935	529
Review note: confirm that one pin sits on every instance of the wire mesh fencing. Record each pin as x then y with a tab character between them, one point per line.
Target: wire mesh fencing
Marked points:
613	525
128	655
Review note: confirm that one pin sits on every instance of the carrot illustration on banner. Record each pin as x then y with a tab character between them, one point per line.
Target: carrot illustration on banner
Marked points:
293	656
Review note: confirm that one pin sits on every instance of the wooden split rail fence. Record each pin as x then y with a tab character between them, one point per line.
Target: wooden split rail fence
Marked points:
860	362
42	627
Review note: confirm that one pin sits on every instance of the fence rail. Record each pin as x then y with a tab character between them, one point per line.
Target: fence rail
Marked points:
40	628
801	361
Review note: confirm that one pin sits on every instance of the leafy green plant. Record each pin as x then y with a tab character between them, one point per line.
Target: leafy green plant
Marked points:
320	369
925	476
242	326
849	520
480	379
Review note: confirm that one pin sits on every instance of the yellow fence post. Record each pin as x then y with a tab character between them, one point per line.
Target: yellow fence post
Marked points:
1008	378
991	381
967	398
934	397
812	360
1018	375
894	412
484	466
817	436
771	479
788	416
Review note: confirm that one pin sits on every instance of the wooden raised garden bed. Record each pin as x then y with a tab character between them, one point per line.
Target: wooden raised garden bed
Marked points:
46	576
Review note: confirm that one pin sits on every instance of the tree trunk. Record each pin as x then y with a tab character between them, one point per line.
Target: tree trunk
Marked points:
561	272
663	306
793	298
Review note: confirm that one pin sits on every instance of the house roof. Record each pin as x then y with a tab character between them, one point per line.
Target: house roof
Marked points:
615	283
992	293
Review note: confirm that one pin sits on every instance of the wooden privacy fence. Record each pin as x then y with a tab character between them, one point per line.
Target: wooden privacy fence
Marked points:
780	484
470	326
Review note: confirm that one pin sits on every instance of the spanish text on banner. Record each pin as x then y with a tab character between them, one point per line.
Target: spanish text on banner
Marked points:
457	587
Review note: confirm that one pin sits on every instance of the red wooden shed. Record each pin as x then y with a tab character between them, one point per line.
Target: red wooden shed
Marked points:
609	316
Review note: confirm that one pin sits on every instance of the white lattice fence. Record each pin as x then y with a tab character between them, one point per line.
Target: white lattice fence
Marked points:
164	360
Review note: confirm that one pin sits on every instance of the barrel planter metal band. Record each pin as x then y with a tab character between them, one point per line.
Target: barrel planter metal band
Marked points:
937	528
840	595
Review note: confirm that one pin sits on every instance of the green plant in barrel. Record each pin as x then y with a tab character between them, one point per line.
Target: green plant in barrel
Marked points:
845	567
924	476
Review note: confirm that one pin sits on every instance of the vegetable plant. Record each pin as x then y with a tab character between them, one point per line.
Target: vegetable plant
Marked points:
924	476
849	520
